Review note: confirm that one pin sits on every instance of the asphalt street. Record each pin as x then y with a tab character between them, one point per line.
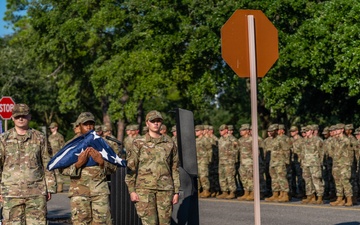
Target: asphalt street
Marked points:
232	212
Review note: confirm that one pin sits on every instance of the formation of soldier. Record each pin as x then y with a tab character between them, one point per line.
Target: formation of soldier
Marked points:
304	166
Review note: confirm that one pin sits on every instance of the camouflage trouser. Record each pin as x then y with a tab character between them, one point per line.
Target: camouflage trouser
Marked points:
279	181
31	210
342	177
227	177
313	181
154	207
246	174
90	210
203	173
354	179
59	178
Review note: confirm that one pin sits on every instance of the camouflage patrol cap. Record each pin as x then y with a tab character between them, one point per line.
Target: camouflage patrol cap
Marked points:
199	127
163	127
74	125
293	128
20	110
304	129
173	128
349	126
315	127
223	127
230	127
245	126
98	128
309	127
153	115
281	127
133	127
206	127
325	130
53	124
273	127
106	127
211	128
332	128
340	126
85	117
357	131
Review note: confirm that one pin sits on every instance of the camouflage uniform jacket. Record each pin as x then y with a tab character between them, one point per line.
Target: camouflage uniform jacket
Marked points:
56	142
311	152
279	149
128	143
201	152
153	164
174	140
228	150
23	161
296	147
342	153
245	150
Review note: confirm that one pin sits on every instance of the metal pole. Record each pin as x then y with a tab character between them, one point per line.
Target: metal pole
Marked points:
253	77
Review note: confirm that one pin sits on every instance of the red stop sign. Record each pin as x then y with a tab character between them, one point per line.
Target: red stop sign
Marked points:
6	106
235	43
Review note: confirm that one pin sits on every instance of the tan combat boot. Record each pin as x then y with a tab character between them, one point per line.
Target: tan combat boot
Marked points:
307	199
273	198
250	197
231	195
338	200
59	188
319	200
223	195
243	198
284	197
205	194
349	201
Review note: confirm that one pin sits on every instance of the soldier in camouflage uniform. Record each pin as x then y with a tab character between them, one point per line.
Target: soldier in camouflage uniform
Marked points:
297	183
214	164
26	184
174	133
203	160
128	140
246	163
153	180
228	150
342	156
354	179
98	130
107	131
311	156
357	154
56	141
163	129
89	191
266	144
280	158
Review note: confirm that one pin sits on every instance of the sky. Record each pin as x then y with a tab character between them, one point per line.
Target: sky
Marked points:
3	30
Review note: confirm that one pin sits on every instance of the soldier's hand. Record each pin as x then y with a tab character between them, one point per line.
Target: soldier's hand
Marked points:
1	198
82	159
96	156
134	197
175	198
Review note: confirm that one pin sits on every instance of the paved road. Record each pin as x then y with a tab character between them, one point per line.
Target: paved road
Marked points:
232	212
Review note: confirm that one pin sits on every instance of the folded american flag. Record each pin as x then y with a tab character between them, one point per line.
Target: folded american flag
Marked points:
68	155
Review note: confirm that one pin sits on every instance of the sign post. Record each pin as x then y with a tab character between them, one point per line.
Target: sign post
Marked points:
250	47
6	106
